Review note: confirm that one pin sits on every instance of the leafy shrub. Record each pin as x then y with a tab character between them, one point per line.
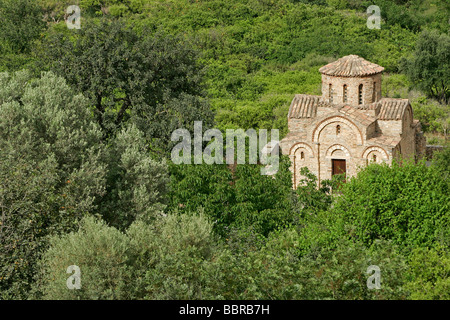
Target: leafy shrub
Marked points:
406	203
165	260
101	253
234	197
275	271
432	116
429	274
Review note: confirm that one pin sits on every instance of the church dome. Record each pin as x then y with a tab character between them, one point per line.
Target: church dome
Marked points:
351	66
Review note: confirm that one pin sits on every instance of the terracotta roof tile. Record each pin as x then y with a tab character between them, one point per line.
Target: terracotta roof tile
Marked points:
357	115
392	109
304	106
351	66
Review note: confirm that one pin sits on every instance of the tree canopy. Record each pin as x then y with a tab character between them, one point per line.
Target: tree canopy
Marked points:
153	81
429	66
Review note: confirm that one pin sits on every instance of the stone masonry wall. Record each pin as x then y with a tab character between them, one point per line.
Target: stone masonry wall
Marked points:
368	94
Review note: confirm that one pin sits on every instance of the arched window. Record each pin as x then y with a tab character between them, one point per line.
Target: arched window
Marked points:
360	94
330	93
338	129
344	94
374	158
302	155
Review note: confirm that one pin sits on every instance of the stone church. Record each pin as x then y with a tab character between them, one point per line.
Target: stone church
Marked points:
350	124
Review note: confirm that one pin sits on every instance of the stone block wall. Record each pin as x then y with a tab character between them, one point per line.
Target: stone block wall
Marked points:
369	93
390	127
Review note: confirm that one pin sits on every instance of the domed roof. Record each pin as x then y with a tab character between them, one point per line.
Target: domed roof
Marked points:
351	66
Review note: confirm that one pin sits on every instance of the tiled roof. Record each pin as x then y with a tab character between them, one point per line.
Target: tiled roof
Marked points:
351	66
392	109
304	106
368	106
354	114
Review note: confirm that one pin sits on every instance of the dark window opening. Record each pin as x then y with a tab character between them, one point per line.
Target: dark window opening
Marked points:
360	94
374	95
345	93
330	93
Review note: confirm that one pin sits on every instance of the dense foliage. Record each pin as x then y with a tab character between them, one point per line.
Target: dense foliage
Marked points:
429	67
412	215
51	171
153	81
85	127
54	170
239	198
178	257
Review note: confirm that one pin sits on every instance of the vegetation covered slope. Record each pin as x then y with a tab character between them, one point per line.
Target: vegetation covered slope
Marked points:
86	118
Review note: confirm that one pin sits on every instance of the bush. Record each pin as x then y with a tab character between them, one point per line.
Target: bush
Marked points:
276	271
173	258
166	260
432	115
429	274
136	182
101	253
236	196
406	203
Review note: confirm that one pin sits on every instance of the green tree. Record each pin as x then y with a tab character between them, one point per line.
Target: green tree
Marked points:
235	196
21	22
22	25
102	253
55	170
275	271
136	183
178	257
207	186
441	159
264	202
312	198
50	171
168	259
429	66
154	80
432	115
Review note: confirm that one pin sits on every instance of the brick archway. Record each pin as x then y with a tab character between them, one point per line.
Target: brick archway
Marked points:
375	148
295	165
301	145
317	130
337	147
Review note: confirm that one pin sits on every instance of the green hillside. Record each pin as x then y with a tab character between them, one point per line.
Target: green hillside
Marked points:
87	178
258	54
